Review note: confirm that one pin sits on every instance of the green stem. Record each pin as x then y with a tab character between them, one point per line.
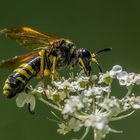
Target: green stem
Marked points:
96	135
85	134
51	105
123	116
130	88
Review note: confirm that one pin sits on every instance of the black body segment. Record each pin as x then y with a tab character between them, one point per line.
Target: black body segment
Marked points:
17	81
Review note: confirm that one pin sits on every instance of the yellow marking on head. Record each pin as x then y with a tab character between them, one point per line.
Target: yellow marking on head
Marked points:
93	59
27	66
93	55
82	64
23	72
20	79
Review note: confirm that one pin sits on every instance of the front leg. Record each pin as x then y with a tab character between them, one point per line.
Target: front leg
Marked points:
82	65
42	63
53	68
41	74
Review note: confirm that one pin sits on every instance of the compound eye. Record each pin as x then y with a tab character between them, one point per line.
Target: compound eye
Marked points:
86	53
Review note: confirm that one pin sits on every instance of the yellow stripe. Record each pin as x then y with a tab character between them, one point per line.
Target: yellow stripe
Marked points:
23	72
6	86
25	65
7	81
20	79
6	92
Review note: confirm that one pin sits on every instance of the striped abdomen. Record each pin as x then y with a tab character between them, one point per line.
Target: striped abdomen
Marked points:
17	81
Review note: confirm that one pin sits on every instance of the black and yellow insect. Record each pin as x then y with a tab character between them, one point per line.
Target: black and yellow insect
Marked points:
48	54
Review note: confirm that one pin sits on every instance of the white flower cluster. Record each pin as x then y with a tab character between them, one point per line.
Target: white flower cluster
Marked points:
87	101
124	78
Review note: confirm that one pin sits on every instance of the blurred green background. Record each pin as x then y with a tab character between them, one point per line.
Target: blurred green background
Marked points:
92	24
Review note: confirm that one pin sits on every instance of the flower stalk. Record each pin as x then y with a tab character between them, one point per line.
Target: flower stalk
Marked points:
49	104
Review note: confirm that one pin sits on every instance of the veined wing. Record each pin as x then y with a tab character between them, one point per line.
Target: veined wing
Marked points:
29	38
17	60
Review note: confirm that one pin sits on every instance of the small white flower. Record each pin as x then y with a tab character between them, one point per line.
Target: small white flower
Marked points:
125	103
75	86
107	89
127	79
111	105
72	124
21	99
137	79
83	79
135	102
75	124
115	71
40	89
63	129
57	96
24	98
98	120
136	106
61	84
105	78
96	91
62	95
73	104
68	108
122	77
87	103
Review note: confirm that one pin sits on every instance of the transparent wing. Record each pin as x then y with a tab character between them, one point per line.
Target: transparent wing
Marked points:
17	60
29	38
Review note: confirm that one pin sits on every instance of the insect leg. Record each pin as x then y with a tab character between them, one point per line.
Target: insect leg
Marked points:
96	62
99	66
42	64
82	65
27	90
53	68
42	72
29	109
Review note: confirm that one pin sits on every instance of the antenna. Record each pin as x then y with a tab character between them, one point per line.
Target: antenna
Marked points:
104	50
98	66
93	59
